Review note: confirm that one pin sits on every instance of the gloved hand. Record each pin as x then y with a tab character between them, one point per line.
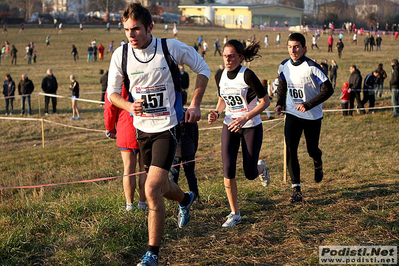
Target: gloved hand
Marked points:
111	134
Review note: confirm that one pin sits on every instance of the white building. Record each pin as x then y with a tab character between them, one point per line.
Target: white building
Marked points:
66	5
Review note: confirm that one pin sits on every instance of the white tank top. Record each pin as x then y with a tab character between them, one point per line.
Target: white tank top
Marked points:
234	92
152	82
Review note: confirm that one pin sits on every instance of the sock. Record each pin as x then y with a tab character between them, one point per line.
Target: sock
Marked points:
153	249
297	187
186	200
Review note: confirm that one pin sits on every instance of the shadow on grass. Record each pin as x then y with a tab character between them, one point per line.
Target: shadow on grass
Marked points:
357	193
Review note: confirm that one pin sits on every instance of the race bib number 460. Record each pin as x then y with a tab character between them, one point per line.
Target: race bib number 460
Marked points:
296	93
155	100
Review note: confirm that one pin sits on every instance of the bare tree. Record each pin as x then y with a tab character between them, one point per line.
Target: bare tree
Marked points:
107	5
25	6
293	3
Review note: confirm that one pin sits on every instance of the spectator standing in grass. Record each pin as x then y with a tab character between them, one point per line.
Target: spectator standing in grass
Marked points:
355	87
50	86
9	93
378	42
90	51
340	47
394	86
74	87
366	42
303	87
14	52
324	66
372	42
184	78
239	90
380	82
101	52
75	53
25	89
333	73
345	98
330	43
370	84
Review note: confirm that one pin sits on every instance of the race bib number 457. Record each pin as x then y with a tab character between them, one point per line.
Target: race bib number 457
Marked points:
155	100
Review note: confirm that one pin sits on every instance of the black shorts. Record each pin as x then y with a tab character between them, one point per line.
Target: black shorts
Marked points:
251	143
158	149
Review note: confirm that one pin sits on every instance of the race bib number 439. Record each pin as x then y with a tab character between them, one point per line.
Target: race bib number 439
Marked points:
234	101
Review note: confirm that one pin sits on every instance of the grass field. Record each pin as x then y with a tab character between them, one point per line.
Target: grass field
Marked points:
85	224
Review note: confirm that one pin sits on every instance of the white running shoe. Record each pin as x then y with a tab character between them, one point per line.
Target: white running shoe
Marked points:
264	176
232	219
129	207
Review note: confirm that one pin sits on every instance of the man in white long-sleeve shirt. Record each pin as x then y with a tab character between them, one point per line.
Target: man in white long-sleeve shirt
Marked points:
157	109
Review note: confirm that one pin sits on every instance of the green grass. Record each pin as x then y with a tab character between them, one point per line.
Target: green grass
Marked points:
84	224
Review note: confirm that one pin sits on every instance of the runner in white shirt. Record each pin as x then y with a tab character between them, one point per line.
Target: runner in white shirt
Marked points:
239	90
157	108
303	86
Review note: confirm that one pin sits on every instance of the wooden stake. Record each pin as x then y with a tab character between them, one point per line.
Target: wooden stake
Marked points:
43	133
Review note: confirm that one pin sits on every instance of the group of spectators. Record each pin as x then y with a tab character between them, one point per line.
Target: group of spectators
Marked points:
25	87
373	85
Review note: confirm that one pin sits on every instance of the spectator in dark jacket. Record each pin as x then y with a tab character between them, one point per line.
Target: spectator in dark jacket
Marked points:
25	89
340	47
370	83
372	43
366	42
14	52
355	87
378	41
380	82
9	92
324	66
50	86
394	86
184	79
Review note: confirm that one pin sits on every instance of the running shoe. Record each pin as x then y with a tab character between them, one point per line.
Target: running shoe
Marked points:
142	206
232	219
129	207
296	197
264	176
149	259
184	211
